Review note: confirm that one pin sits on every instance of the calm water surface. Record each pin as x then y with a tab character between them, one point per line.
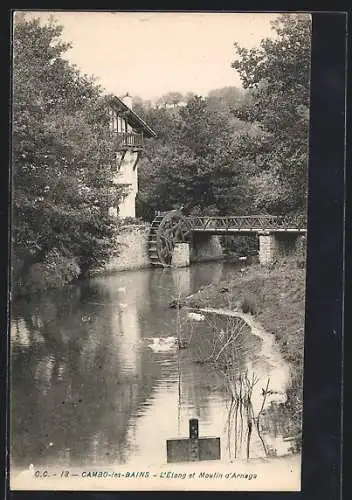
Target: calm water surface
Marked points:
88	389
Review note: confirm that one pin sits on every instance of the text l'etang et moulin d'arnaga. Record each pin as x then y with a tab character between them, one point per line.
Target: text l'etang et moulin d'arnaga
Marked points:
149	475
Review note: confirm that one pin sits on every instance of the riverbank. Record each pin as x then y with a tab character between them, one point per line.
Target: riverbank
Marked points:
276	298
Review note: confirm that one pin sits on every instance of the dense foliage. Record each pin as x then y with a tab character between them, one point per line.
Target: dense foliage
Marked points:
194	161
277	76
237	151
61	155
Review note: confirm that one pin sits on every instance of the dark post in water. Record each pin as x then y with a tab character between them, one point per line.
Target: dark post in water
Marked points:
193	448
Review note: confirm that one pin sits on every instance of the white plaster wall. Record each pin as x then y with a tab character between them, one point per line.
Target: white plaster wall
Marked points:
127	207
128	176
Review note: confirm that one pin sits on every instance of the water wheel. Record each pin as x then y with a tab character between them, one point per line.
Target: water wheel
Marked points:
167	229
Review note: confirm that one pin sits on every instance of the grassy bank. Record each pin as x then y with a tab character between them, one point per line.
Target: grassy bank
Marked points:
276	297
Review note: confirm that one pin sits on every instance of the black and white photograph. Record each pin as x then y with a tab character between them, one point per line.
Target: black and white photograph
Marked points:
158	250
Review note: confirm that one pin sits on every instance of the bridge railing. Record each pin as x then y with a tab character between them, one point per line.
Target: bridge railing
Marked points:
252	222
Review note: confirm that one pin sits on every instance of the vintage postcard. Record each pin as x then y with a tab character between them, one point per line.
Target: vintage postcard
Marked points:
159	195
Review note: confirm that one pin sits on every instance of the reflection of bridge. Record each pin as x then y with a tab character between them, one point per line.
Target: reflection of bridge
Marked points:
170	228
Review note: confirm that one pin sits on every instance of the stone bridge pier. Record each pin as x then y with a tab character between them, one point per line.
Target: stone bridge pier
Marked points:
201	248
274	245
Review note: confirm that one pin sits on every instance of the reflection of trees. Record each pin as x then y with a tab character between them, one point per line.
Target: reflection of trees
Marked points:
168	284
197	386
225	351
198	378
68	384
207	272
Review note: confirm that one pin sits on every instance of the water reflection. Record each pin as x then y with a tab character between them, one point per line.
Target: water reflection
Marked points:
86	388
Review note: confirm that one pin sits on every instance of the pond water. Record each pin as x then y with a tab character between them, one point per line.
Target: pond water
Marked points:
89	387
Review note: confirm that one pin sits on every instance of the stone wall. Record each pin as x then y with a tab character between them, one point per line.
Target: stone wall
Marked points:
181	255
133	250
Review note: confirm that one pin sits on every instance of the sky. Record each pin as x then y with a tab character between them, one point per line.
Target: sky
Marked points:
148	54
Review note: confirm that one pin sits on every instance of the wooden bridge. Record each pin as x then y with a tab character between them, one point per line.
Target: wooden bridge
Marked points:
247	224
170	228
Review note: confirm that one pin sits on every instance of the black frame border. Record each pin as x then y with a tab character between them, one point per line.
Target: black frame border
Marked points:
322	428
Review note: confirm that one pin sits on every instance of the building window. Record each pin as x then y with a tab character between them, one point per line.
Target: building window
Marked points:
122	125
113	120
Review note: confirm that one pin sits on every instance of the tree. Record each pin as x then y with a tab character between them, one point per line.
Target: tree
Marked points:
189	95
227	98
174	98
139	105
61	155
277	76
193	162
171	99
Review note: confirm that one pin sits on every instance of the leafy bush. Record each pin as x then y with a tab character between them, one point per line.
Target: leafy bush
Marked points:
249	304
55	271
277	78
62	151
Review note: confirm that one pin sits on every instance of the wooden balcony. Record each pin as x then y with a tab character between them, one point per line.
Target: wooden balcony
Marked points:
128	140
